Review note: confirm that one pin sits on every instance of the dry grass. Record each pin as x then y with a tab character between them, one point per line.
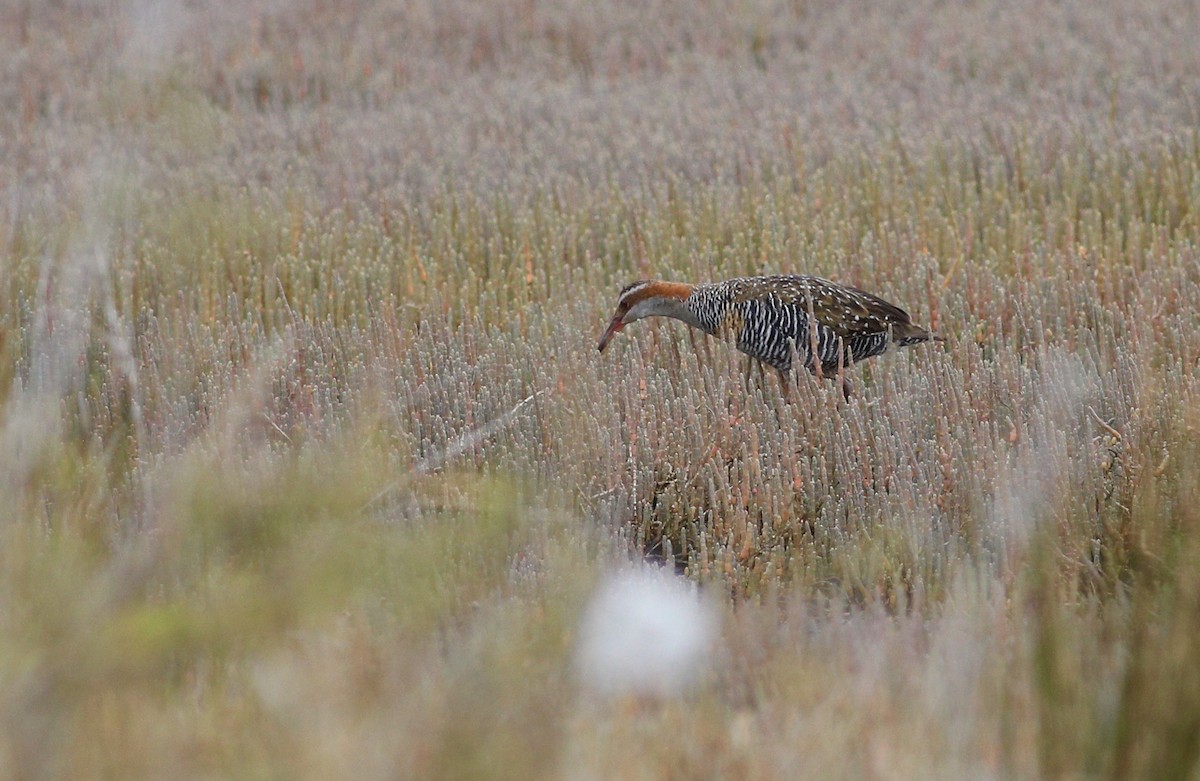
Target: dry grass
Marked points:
309	463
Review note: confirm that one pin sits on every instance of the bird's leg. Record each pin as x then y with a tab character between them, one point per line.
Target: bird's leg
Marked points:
793	361
842	379
749	370
783	401
785	383
813	351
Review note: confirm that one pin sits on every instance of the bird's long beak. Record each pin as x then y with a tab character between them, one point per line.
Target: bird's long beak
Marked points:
613	327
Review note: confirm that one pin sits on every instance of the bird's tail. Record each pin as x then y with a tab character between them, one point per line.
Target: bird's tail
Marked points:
908	334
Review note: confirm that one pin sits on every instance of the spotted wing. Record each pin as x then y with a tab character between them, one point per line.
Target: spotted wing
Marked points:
847	311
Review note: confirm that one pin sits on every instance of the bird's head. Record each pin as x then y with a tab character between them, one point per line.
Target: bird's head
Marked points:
646	299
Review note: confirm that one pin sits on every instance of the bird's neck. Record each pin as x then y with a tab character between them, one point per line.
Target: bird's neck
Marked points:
680	309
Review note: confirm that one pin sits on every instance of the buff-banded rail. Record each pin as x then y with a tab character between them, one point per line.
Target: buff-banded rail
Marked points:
779	320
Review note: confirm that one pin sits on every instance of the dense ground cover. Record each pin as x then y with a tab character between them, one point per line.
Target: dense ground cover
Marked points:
309	464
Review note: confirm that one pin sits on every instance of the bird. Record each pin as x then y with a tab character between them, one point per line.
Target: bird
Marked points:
778	320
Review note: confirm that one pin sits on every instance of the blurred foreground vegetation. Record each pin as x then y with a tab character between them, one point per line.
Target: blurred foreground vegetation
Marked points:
309	465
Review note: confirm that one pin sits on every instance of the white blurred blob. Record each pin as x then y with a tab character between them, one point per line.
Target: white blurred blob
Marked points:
646	632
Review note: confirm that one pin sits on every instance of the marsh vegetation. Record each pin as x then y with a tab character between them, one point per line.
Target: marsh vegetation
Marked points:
308	464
